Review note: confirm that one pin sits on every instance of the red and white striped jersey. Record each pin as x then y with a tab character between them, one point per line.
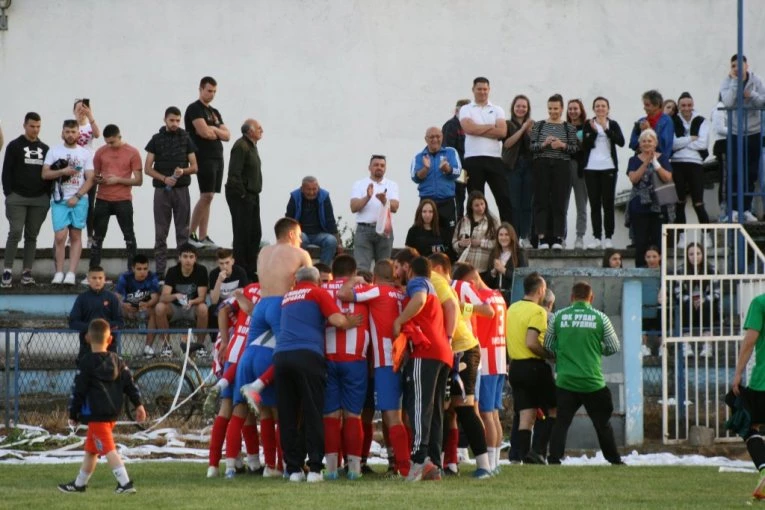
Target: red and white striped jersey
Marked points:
383	310
467	296
237	339
491	334
349	344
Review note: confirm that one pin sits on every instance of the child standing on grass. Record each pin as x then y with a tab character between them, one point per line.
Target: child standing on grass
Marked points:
102	378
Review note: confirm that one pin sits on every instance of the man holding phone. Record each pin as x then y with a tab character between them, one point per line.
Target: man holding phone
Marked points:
118	168
368	197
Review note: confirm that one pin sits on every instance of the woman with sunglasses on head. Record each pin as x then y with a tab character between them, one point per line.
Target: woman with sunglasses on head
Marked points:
516	154
553	144
576	116
601	137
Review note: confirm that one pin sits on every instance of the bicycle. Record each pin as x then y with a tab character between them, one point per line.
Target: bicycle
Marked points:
170	385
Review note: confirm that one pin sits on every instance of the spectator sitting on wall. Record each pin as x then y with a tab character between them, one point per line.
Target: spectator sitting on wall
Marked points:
138	291
311	206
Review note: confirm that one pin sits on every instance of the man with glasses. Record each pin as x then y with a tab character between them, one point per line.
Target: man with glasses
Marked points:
118	168
435	170
369	198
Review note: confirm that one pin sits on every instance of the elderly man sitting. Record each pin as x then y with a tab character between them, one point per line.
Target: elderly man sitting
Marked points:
312	208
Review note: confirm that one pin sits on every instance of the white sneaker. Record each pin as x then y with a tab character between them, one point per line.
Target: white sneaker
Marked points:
297	477
84	282
212	471
149	353
688	352
557	246
608	243
595	245
579	243
543	245
269	472
645	351
525	243
707	351
58	278
314	477
70	278
463	455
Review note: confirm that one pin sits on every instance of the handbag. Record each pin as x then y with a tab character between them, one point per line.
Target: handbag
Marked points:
665	192
384	225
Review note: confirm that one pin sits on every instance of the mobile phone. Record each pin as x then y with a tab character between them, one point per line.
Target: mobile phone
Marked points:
86	102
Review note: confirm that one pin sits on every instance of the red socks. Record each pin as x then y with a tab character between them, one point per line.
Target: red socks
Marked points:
268	439
398	439
450	447
217	436
230	374
234	437
332	436
353	436
251	439
278	437
268	376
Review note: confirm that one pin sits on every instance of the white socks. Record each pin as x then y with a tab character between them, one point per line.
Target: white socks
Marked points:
82	479
121	475
482	461
253	461
331	459
492	452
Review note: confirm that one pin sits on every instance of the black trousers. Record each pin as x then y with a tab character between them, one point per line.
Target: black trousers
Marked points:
689	178
300	377
245	222
647	230
484	169
599	408
102	212
459	195
552	188
425	388
601	186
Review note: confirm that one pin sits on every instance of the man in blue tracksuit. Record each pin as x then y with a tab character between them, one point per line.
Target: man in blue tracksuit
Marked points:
311	206
435	169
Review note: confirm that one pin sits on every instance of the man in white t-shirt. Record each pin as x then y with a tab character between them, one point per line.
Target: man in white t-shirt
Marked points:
71	168
484	125
368	199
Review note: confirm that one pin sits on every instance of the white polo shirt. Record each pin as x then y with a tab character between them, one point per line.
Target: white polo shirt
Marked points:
480	145
370	212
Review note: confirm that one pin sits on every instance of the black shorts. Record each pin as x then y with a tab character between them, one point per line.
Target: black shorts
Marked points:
755	404
210	175
472	360
533	384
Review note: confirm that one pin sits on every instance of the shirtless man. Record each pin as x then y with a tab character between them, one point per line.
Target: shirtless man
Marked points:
277	265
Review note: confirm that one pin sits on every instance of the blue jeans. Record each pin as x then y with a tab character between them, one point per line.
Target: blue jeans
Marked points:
326	242
521	196
368	246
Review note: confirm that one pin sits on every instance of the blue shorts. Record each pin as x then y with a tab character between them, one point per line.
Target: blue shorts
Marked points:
64	216
491	393
254	361
228	391
267	315
346	386
387	389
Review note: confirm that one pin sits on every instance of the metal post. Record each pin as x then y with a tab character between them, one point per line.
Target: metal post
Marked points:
16	372
741	125
7	379
632	326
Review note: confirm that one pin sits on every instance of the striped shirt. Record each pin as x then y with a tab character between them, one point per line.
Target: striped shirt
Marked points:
565	132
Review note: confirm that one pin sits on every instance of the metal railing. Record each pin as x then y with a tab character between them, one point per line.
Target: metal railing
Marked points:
702	319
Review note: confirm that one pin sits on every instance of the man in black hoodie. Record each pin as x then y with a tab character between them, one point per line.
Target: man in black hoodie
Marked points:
27	197
170	161
102	378
95	303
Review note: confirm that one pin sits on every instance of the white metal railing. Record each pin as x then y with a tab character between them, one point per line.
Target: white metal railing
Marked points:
702	316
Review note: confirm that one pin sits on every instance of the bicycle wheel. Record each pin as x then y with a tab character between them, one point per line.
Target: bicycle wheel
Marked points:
158	384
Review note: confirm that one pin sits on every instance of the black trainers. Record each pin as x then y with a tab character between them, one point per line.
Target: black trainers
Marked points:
71	488
125	489
27	279
195	242
533	458
7	279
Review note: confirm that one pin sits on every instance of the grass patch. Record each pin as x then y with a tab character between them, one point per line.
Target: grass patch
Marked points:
183	485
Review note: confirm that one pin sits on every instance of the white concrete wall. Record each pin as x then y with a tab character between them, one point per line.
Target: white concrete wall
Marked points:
335	81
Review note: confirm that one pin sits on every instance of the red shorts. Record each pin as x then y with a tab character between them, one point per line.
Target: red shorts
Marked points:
99	440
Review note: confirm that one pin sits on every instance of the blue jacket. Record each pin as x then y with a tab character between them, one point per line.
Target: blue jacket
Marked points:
665	131
436	185
326	213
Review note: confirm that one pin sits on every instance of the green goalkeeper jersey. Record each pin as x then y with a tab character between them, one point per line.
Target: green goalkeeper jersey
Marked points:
755	319
579	336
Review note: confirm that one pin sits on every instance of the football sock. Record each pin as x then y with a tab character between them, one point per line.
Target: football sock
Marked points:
332	442
228	376
268	439
542	433
82	478
222	384
217	436
251	439
473	428
492	451
450	446
524	443
267	377
121	475
233	438
755	445
398	439
353	438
